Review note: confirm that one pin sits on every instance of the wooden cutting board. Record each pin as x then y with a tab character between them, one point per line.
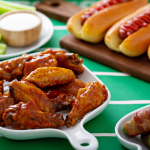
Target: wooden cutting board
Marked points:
57	9
138	67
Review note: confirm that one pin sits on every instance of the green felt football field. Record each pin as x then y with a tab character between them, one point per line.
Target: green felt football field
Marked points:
127	94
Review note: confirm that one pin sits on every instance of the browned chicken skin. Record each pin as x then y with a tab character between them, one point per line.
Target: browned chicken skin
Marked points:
1	87
88	98
41	60
62	96
13	69
26	106
28	116
60	100
50	76
72	87
67	60
24	65
5	101
24	91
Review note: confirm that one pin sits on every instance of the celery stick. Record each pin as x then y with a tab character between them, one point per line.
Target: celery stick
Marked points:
18	6
2	48
4	8
0	37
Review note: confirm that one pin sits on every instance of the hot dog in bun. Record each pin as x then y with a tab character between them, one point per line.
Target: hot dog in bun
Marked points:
92	23
131	35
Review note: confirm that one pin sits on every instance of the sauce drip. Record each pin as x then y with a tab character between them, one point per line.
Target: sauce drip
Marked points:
142	20
99	7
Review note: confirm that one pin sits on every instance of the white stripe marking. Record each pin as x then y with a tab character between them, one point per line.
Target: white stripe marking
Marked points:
43	49
60	27
98	134
130	102
104	134
111	73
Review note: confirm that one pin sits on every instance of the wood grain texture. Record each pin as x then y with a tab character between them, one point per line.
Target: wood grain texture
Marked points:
138	66
57	9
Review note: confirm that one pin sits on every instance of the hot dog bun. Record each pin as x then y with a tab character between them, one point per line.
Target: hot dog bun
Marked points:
136	43
95	27
148	52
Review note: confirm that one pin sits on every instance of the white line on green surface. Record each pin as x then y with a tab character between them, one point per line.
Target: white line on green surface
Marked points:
111	73
60	27
130	102
104	134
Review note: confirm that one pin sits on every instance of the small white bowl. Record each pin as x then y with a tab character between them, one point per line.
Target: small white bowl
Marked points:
20	32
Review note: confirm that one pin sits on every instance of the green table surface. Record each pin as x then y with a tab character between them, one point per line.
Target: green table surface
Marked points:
125	90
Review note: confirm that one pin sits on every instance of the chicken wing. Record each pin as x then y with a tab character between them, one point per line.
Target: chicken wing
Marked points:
61	100
62	96
24	91
50	76
1	87
5	101
13	68
72	87
88	98
28	116
41	60
67	60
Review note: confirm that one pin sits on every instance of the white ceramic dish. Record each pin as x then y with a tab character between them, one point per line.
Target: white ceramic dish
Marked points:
46	34
130	143
77	135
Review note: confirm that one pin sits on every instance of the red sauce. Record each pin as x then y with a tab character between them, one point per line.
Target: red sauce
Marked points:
136	118
99	7
51	94
135	24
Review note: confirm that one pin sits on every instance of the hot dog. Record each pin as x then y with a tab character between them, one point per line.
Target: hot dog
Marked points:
130	35
92	23
148	52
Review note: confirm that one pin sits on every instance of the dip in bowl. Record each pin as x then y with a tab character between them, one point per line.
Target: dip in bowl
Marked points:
20	28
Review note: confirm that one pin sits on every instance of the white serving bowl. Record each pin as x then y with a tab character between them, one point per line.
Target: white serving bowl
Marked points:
20	32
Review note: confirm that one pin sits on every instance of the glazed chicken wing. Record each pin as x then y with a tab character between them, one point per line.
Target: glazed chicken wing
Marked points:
60	100
67	60
1	87
5	101
62	96
50	76
28	116
13	69
41	60
24	91
72	87
88	98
